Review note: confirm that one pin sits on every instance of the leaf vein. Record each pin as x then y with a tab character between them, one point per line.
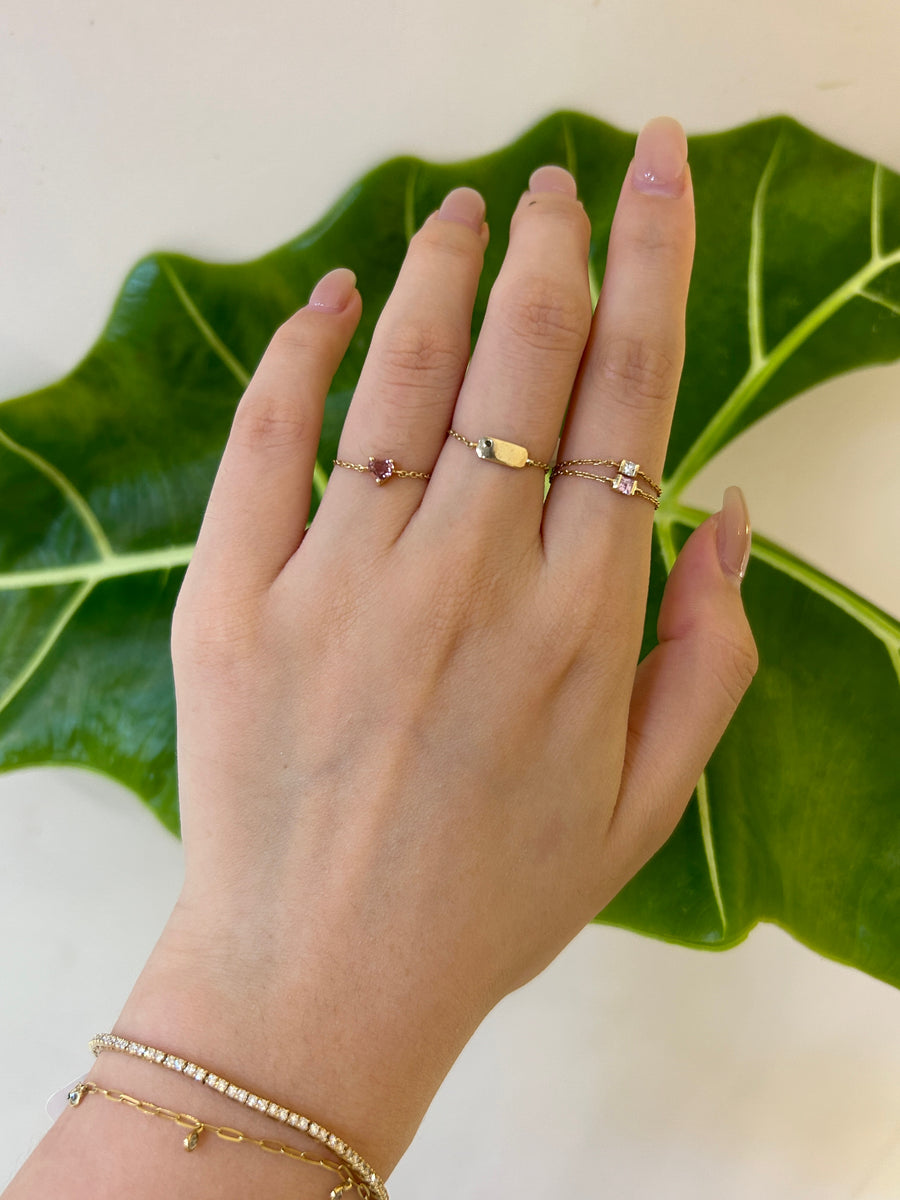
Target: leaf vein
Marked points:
206	331
867	294
717	431
46	645
876	225
68	490
885	627
709	849
237	369
569	142
97	570
755	283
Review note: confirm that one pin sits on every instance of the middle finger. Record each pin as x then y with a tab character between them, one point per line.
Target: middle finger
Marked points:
526	359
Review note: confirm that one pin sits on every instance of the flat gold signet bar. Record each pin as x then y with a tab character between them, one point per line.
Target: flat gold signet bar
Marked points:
508	454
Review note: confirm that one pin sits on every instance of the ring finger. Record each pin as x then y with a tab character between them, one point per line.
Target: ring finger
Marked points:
624	399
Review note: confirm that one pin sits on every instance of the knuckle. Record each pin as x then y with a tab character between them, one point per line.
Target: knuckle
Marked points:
652	238
211	638
292	337
735	663
637	371
420	355
450	239
264	421
544	315
565	210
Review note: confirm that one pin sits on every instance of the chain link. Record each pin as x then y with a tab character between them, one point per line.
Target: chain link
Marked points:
635	491
514	446
224	1132
366	469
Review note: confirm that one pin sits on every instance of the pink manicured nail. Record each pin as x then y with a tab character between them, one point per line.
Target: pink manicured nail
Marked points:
465	206
333	291
733	533
552	179
660	157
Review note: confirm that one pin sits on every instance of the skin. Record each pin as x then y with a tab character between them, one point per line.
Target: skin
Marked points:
417	753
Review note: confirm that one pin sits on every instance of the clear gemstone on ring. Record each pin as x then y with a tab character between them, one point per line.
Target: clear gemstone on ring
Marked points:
626	467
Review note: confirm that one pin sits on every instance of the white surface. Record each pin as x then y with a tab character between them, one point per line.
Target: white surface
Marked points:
630	1069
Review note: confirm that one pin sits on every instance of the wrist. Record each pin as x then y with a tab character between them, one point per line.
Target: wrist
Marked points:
347	1046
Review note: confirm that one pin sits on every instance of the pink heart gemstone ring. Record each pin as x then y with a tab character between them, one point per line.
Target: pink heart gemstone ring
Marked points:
383	469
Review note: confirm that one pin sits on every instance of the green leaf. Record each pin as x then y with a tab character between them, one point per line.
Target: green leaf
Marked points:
105	476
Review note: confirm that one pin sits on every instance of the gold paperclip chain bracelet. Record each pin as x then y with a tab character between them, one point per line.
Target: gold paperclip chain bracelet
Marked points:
196	1128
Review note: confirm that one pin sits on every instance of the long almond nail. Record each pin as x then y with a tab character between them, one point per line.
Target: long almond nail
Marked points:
733	534
660	157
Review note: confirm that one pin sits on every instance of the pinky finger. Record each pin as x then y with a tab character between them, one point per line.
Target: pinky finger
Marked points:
688	688
257	511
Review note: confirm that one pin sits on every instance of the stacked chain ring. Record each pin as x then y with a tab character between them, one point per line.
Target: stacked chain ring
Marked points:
507	454
624	482
383	469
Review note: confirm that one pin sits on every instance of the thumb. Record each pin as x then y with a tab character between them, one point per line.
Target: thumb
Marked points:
687	689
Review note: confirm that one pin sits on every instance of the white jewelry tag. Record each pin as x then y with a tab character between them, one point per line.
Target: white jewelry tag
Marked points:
59	1101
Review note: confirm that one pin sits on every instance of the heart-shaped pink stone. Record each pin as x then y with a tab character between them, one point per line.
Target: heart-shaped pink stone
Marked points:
381	468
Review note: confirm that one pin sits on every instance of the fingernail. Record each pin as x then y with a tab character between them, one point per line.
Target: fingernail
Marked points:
333	291
660	157
733	533
465	206
553	179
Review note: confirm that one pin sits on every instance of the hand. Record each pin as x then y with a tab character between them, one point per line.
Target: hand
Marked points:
416	751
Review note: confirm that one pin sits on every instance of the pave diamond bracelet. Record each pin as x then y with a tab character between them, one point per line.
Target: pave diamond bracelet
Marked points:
369	1182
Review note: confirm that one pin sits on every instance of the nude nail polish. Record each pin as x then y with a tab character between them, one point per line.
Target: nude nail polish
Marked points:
733	534
333	291
464	205
553	179
660	157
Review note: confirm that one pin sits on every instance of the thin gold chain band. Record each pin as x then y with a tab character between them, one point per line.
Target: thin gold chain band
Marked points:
624	466
196	1128
382	468
370	1184
507	454
624	482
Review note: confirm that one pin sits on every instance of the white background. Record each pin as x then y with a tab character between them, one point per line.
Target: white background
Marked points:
631	1070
